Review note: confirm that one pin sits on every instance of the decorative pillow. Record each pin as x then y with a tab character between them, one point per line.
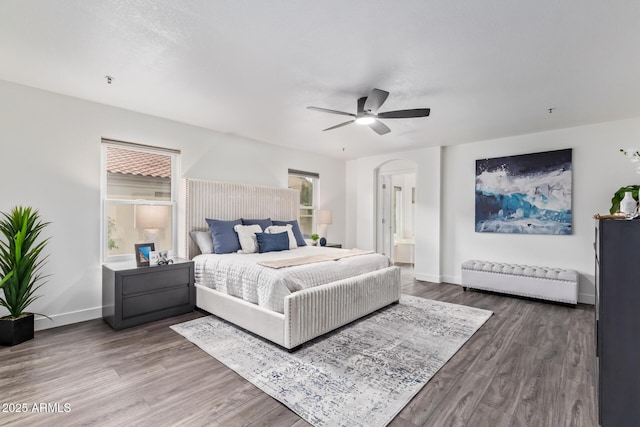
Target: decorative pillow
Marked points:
225	239
272	242
296	230
247	237
263	223
275	229
203	240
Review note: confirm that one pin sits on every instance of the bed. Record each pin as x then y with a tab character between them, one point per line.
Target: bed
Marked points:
303	301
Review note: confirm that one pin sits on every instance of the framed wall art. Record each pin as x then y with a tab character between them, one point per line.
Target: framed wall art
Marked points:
524	194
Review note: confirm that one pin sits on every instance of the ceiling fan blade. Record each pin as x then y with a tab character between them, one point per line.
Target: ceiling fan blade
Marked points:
405	114
379	127
326	110
361	102
339	126
375	99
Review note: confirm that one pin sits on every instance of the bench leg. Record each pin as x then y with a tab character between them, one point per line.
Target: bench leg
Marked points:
464	288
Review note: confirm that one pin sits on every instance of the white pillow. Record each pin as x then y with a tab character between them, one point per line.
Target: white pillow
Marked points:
275	229
203	240
247	237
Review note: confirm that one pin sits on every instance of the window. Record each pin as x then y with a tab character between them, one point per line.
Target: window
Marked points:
307	184
139	192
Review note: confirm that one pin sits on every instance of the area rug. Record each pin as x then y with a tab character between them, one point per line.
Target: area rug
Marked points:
362	374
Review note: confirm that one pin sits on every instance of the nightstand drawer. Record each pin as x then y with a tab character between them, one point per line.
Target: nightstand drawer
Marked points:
156	280
135	295
147	303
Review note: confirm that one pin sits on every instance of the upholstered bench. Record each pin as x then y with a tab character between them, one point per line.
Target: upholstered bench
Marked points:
553	284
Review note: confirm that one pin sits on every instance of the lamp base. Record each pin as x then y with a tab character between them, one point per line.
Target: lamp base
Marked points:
151	235
322	230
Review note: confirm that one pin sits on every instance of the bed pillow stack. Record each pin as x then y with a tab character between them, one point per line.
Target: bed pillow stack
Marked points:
240	235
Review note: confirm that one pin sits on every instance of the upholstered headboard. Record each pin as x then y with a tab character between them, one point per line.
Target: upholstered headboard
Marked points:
221	200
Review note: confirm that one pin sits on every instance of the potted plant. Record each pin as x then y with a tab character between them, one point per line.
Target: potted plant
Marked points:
315	238
20	270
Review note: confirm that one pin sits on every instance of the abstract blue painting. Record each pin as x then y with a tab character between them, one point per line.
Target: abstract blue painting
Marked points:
525	194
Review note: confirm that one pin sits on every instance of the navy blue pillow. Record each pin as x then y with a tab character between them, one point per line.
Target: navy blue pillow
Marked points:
296	231
272	242
263	223
225	238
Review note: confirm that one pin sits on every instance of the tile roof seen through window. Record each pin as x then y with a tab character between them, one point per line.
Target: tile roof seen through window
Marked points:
131	162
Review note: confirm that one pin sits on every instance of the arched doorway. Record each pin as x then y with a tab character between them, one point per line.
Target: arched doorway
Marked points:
395	210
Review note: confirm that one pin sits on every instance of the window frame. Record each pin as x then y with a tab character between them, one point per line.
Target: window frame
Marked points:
106	202
315	183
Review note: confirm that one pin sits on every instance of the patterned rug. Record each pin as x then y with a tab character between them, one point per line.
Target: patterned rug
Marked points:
363	374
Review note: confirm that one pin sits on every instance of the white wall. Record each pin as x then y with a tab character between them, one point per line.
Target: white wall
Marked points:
50	151
361	206
598	171
445	232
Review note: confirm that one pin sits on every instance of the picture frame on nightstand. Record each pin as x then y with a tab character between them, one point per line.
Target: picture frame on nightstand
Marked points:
159	258
143	253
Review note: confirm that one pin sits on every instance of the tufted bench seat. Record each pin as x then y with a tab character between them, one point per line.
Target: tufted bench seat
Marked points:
553	284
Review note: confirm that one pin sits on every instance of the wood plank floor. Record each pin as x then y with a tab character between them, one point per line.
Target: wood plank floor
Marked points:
531	364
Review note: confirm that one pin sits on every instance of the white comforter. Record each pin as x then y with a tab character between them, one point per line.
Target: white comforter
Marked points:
240	276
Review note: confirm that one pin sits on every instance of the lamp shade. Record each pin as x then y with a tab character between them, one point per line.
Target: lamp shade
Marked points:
323	217
150	216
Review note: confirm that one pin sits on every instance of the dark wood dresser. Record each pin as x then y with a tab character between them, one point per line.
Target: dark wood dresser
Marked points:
617	282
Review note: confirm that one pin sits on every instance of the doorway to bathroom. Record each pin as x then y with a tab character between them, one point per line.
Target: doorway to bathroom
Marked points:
395	210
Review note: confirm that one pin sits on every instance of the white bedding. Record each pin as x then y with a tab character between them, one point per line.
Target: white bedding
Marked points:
240	276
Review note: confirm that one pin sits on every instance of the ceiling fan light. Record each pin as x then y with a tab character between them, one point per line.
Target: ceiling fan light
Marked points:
365	120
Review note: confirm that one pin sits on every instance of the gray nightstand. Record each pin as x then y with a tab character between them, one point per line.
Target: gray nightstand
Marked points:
333	245
135	295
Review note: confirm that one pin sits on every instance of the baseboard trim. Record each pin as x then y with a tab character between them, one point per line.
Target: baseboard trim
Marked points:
42	322
454	280
427	277
587	299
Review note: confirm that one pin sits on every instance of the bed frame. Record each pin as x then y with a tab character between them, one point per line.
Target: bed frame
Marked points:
308	313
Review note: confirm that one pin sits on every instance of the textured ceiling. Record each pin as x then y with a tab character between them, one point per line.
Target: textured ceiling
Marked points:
487	69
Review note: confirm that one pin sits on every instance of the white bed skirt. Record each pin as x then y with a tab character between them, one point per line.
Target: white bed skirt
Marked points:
308	313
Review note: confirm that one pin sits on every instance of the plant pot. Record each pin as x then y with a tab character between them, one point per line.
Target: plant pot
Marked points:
16	330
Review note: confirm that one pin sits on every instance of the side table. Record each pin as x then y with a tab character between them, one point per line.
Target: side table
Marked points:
135	295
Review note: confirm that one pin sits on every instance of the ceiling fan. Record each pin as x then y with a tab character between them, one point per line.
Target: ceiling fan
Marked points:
368	112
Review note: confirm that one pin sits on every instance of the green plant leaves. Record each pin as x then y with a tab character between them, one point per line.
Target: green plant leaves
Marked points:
20	258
